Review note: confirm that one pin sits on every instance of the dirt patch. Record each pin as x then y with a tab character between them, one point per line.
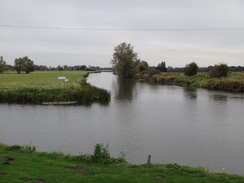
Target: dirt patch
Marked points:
6	163
9	159
33	181
87	175
79	168
158	177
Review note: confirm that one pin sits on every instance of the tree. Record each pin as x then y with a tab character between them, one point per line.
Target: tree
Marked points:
219	70
162	67
125	60
143	66
24	64
191	69
3	65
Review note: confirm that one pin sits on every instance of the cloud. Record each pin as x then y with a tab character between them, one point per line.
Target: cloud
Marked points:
187	31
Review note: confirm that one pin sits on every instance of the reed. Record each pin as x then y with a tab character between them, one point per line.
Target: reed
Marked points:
80	95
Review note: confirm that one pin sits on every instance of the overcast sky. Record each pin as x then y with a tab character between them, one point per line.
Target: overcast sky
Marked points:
85	32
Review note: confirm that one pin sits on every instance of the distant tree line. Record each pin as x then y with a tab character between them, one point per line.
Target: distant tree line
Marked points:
125	63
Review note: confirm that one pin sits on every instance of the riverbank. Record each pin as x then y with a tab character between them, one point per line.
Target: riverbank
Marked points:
234	82
51	87
24	164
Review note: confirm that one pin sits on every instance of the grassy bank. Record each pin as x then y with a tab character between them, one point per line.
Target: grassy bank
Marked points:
233	82
23	164
45	87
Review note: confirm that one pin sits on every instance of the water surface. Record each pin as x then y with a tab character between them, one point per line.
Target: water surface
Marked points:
173	124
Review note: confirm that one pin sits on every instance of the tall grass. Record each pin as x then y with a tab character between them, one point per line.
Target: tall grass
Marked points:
85	95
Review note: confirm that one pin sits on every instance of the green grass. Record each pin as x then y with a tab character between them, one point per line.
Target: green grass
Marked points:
23	164
41	79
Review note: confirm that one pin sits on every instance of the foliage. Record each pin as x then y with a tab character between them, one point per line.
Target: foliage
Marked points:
191	69
24	166
100	155
153	72
3	65
24	64
125	60
83	95
143	66
219	70
226	85
234	81
162	67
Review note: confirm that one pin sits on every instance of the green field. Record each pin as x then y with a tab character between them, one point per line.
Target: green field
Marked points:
42	79
46	88
23	164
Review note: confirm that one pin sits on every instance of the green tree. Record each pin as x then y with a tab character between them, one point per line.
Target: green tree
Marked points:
24	64
3	65
191	69
219	70
125	61
162	67
143	66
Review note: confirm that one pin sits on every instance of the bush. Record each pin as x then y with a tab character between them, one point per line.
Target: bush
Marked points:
191	69
100	155
153	72
220	70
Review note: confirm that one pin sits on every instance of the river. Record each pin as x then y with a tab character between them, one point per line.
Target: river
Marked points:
193	127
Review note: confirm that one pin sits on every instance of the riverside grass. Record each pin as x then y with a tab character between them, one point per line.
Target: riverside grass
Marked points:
24	164
234	82
45	88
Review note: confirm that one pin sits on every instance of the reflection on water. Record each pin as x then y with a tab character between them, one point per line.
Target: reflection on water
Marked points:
190	93
219	97
192	127
124	88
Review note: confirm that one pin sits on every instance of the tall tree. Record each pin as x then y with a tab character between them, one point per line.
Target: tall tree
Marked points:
3	65
191	69
162	67
24	64
125	60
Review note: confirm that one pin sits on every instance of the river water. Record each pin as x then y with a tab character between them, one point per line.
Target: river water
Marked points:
173	124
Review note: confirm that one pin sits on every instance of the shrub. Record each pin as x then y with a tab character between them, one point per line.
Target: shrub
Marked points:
153	72
220	70
191	69
100	155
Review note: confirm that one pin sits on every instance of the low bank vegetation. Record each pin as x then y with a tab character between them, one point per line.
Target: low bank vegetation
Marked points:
233	81
24	164
83	95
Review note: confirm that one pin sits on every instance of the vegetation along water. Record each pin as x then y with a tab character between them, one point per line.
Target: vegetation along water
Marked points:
50	87
24	164
233	82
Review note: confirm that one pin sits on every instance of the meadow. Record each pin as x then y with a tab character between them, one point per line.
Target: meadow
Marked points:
24	164
46	88
41	79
